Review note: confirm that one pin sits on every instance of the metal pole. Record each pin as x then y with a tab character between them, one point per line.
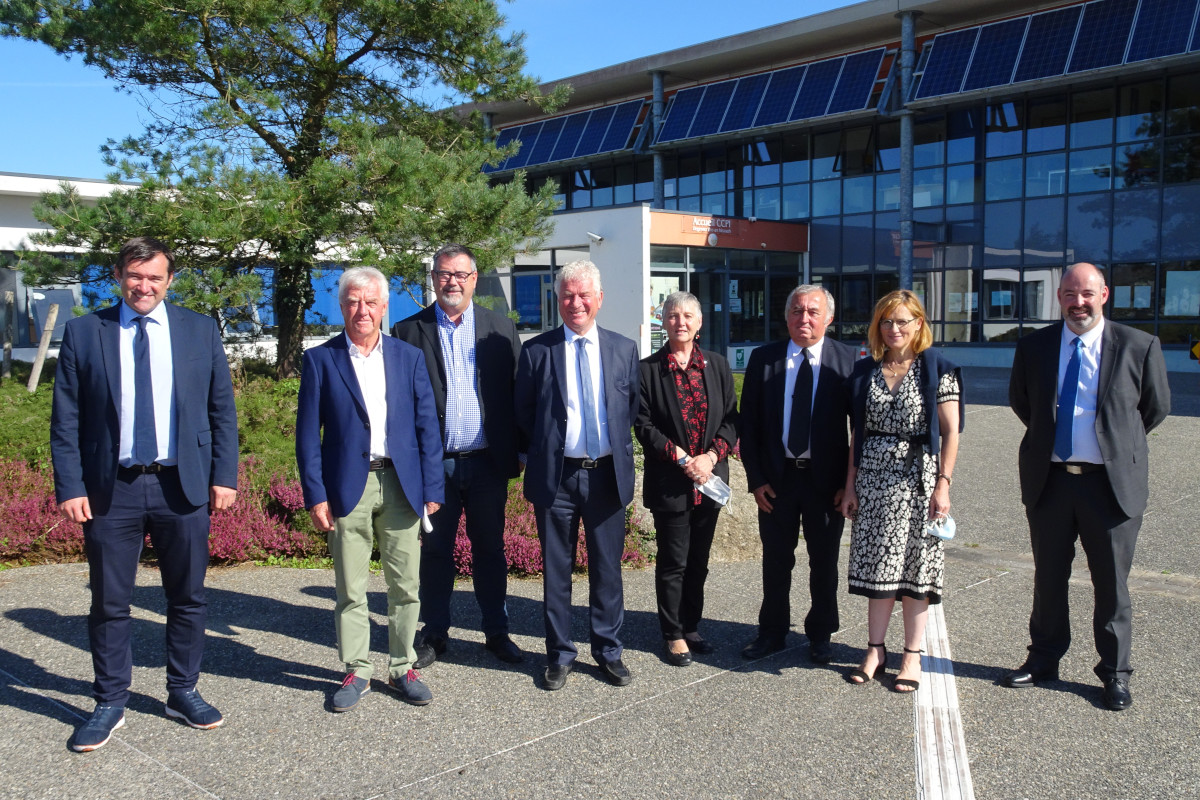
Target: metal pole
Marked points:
43	346
656	115
907	58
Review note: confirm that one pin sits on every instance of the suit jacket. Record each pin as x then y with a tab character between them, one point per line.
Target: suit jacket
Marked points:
761	417
1132	398
660	419
497	348
541	409
85	424
333	431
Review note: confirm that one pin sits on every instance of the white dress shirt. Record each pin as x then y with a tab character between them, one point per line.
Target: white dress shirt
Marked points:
162	378
794	356
1085	447
575	444
372	382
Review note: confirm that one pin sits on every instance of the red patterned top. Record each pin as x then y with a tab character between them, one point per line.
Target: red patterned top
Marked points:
693	401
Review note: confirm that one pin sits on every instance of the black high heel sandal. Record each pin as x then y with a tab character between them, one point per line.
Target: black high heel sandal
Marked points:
880	668
910	686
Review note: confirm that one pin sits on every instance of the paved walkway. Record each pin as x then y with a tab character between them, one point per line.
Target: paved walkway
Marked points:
779	727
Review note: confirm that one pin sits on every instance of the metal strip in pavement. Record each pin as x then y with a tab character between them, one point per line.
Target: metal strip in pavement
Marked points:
943	770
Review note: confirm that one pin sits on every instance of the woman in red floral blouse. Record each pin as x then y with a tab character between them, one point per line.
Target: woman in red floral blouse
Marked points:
687	427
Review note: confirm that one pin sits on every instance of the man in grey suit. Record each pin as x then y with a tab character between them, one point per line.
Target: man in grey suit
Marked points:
144	440
1084	472
471	354
577	394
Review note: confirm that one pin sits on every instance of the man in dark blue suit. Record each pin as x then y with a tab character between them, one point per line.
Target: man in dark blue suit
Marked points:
471	354
369	453
795	444
144	440
576	398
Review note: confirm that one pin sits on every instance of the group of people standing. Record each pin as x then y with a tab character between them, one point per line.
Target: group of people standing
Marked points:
397	437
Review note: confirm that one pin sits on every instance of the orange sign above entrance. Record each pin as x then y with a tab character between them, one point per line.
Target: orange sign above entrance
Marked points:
707	230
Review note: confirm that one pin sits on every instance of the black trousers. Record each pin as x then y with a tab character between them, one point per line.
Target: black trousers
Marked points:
142	504
798	503
684	542
1081	507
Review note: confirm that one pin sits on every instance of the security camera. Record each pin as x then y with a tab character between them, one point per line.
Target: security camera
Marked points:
595	237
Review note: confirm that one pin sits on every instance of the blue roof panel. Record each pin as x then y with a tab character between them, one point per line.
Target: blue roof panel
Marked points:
680	114
621	128
712	109
528	135
779	96
744	103
815	92
1048	44
1103	34
996	54
568	140
1162	29
593	135
947	63
502	139
854	87
540	152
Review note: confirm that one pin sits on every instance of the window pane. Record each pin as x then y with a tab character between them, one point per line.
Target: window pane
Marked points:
1004	129
1138	164
1047	128
1001	297
961	304
1181	222
714	204
887	153
766	203
1092	117
825	245
1045	175
602	186
1089	222
857	243
795	158
581	190
1181	290
963	183
887	241
1045	231
795	201
1131	287
855	303
1135	225
747	309
962	135
858	194
1091	170
1183	104
887	191
689	174
826	147
1038	297
1182	160
715	169
927	188
1139	111
929	141
858	152
1003	179
826	198
1002	234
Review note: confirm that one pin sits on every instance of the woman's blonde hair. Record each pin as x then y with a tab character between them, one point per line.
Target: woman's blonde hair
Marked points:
886	305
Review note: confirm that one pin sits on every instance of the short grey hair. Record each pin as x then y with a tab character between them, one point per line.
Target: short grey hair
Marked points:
450	251
358	277
578	271
809	288
681	298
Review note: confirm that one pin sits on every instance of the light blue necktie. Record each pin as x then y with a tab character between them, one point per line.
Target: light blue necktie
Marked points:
1065	418
587	398
145	439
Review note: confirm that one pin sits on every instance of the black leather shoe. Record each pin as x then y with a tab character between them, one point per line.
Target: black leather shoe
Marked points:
1027	675
556	676
428	650
504	649
761	647
1116	693
701	647
820	652
683	659
616	673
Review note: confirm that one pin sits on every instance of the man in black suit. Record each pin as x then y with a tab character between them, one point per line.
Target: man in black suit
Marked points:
144	440
1084	471
471	354
576	398
795	444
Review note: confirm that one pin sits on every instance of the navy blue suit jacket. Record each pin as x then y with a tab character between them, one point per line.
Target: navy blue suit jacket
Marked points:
541	409
85	425
333	431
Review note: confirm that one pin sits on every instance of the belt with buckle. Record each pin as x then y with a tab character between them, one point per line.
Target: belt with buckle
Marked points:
797	463
586	463
146	469
1077	468
381	463
457	454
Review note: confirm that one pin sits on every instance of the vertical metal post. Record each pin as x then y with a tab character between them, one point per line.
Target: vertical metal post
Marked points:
907	59
656	115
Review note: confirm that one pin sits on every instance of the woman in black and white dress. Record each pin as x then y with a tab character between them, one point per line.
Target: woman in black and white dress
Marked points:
906	408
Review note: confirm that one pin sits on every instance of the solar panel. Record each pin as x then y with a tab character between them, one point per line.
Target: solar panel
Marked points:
540	152
568	140
818	85
744	103
1103	34
592	137
947	63
680	114
528	135
502	140
996	54
779	96
1162	29
858	77
1048	44
712	109
624	119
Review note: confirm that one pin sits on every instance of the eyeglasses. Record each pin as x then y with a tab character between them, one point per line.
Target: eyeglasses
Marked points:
897	324
442	275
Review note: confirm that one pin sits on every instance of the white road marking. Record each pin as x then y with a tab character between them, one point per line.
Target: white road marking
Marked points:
943	771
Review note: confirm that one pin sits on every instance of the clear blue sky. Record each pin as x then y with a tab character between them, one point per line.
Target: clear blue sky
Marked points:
58	112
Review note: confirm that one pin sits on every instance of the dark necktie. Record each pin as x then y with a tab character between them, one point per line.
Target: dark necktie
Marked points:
145	440
1064	421
587	400
801	407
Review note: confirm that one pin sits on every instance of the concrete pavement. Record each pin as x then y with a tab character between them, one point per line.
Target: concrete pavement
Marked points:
780	727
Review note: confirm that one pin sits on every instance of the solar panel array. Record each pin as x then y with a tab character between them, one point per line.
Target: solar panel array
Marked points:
586	133
1103	33
819	89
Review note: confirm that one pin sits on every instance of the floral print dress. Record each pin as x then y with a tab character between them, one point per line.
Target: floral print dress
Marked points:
890	553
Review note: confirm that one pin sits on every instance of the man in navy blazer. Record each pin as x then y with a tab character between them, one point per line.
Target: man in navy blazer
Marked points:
795	476
471	354
576	398
144	440
1088	391
369	454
